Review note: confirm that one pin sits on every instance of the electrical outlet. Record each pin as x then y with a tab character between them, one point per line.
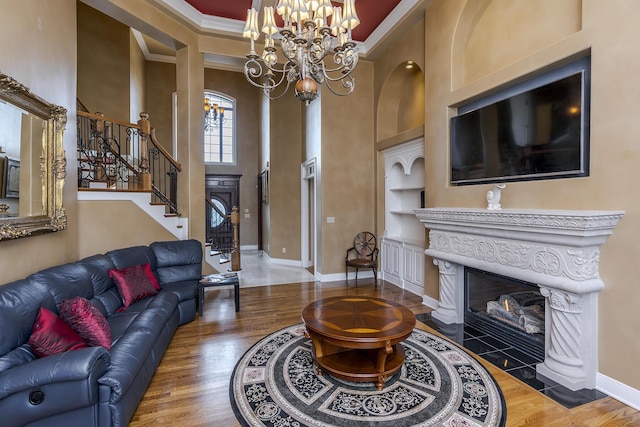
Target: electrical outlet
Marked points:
284	250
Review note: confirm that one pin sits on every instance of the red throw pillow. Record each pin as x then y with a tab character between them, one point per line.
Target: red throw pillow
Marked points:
87	321
50	335
151	276
133	284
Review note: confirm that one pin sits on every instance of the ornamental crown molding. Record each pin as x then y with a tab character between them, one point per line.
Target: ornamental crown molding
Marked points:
568	220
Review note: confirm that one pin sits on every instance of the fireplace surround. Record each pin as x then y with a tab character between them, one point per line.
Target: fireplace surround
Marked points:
558	250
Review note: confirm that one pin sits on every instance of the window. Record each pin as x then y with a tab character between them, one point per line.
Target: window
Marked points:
216	218
219	129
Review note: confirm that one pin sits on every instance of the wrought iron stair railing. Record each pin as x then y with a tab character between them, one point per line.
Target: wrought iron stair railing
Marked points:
115	155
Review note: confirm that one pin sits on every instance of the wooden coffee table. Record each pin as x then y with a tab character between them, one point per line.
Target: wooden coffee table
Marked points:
357	338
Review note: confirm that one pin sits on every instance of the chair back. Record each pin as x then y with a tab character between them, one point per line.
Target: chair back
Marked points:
365	244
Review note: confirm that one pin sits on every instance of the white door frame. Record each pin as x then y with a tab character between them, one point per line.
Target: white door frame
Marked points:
308	173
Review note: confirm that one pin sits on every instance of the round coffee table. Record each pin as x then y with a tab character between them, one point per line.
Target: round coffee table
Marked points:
356	338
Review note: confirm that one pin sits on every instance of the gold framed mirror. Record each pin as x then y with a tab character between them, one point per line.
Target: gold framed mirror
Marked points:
32	162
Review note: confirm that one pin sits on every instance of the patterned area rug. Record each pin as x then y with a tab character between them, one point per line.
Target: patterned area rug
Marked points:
275	384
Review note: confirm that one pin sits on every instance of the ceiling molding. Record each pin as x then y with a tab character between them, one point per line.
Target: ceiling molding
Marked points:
145	49
399	13
204	22
222	62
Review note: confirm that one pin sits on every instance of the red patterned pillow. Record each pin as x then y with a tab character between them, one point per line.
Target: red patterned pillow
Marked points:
133	284
87	321
151	276
50	335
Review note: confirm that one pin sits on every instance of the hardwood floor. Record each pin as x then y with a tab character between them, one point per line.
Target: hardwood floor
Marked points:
191	385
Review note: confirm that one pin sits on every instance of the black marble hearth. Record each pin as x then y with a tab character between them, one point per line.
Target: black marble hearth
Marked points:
515	362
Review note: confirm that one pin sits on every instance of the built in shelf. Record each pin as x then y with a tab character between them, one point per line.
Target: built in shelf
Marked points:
403	246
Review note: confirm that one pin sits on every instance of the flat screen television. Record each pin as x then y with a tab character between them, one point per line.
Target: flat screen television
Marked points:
535	130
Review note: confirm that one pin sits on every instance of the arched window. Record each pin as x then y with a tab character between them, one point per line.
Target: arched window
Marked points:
219	129
216	217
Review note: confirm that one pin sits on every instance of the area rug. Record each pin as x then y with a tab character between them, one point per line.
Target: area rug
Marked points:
275	384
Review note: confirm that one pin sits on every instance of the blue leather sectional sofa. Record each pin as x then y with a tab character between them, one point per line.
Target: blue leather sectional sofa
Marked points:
93	386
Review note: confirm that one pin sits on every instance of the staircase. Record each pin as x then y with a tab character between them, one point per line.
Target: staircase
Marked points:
119	156
124	161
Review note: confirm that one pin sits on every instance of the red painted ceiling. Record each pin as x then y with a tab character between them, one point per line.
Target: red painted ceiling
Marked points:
370	12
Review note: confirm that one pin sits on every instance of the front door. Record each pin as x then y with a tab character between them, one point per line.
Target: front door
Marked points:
223	193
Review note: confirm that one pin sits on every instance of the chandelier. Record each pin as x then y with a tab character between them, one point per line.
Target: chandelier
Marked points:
316	49
213	115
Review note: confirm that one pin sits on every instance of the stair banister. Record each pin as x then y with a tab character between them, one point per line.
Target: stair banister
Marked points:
115	155
145	131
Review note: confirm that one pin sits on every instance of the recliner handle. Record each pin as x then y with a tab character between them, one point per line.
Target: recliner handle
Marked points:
36	397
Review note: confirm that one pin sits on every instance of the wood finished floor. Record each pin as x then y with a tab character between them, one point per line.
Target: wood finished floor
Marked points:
191	385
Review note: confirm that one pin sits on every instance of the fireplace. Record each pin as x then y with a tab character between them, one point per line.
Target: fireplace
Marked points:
505	308
559	251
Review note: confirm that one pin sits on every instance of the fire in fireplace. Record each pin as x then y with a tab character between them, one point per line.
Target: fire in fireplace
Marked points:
506	308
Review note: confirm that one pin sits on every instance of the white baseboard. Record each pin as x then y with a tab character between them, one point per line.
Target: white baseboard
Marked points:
287	262
619	391
413	288
334	277
392	279
430	302
248	248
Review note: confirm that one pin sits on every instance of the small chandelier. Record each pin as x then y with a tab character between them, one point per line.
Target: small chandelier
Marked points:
309	43
213	115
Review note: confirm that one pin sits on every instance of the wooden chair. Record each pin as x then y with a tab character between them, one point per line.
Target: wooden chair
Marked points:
363	254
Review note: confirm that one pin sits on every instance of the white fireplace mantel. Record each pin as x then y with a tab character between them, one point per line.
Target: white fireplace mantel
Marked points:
559	250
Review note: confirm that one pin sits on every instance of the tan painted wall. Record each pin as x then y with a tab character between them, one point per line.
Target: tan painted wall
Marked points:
247	145
348	172
399	94
161	84
103	65
137	83
40	52
284	178
190	90
136	228
510	40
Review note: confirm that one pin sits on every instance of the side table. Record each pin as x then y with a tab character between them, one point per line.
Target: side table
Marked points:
224	279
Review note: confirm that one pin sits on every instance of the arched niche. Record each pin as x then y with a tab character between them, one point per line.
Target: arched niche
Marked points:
492	34
401	102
